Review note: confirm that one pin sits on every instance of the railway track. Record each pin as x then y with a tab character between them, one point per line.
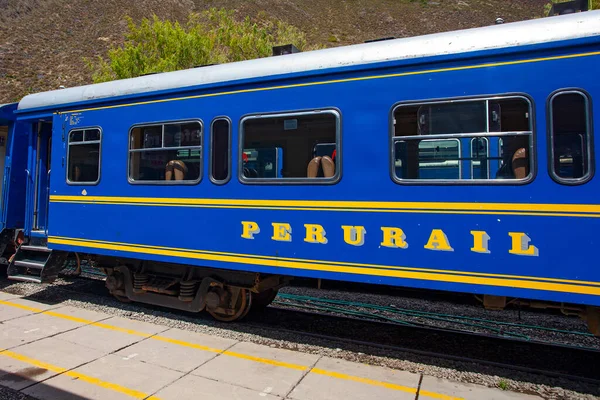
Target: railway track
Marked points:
549	359
325	322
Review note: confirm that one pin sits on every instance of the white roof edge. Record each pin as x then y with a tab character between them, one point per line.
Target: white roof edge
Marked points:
544	30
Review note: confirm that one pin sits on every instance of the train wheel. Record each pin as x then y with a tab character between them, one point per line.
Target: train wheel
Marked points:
114	283
241	307
263	299
122	299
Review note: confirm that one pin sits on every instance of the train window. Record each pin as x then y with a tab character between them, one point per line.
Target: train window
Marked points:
220	153
299	147
166	153
570	137
83	158
480	158
457	140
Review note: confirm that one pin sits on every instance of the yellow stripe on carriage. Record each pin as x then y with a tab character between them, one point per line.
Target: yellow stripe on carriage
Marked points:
348	264
381	270
541	209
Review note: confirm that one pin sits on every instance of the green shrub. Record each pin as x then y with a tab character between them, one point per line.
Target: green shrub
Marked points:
211	37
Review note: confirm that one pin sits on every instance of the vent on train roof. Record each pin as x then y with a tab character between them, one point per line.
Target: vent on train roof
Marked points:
380	39
285	49
203	65
568	7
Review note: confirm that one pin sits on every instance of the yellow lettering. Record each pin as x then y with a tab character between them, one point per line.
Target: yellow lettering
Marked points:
438	241
480	242
393	237
354	235
315	233
521	246
282	232
249	229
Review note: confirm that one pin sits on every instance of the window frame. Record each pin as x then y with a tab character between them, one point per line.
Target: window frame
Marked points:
229	152
99	141
589	136
292	181
169	122
462	182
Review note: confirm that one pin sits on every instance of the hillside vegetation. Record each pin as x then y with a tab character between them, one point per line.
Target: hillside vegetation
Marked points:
43	43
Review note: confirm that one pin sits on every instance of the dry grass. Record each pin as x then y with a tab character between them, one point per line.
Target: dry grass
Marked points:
43	42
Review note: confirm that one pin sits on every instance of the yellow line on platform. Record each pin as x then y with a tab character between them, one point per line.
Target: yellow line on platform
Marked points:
266	361
228	353
78	375
21	306
382	384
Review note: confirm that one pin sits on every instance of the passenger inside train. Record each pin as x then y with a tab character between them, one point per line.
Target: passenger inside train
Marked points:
165	152
463	140
290	146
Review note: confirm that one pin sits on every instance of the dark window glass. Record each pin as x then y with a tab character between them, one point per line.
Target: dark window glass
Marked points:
463	117
463	140
291	146
570	137
220	150
91	135
76	136
166	152
83	164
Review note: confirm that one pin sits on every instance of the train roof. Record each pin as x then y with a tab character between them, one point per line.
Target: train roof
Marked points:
537	31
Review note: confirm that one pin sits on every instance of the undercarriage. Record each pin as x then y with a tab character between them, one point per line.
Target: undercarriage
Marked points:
227	295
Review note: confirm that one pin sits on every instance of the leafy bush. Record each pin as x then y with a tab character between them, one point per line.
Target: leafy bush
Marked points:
211	37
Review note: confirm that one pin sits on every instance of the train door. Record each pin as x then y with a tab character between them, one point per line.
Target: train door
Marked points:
3	140
3	175
38	182
6	129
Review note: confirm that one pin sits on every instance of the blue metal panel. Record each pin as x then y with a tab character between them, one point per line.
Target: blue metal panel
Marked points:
13	212
210	235
6	118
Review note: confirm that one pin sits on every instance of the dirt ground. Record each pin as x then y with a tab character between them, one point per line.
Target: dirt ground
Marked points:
43	43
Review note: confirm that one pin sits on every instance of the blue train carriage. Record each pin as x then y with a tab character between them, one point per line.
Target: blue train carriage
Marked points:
461	161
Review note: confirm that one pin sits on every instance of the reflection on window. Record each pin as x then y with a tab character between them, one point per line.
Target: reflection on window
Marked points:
437	159
83	165
483	139
449	118
166	152
291	147
480	156
570	137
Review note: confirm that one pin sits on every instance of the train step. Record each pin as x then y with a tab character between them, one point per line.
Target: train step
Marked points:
36	248
26	278
30	264
36	264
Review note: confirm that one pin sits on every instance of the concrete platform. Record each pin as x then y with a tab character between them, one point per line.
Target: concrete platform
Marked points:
21	307
54	352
